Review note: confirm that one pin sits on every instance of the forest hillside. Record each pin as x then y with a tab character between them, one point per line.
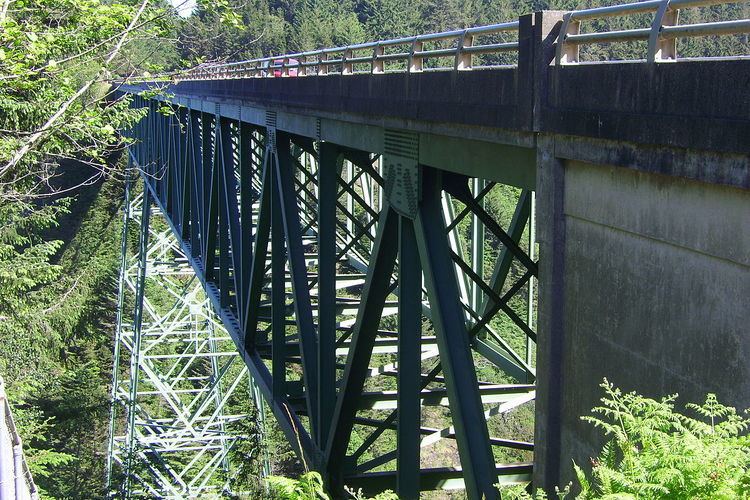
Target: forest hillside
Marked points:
62	174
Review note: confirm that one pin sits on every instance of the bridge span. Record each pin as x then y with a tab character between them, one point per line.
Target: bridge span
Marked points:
326	213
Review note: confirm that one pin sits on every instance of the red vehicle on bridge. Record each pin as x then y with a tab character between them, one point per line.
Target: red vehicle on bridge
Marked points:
277	66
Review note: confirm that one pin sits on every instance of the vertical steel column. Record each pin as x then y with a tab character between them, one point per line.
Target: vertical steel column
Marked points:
186	171
260	404
207	153
215	382
328	173
258	263
135	361
349	201
298	271
195	165
118	323
376	289
409	362
477	246
229	233
247	199
456	245
474	448
278	280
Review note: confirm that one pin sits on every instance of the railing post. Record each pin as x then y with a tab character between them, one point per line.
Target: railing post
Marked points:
538	36
463	58
662	49
322	68
567	53
415	61
378	65
347	68
302	69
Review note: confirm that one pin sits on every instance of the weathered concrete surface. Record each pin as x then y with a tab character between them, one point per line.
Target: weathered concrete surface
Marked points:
647	284
691	104
479	98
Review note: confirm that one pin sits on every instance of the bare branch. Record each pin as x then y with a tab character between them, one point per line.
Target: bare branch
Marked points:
4	11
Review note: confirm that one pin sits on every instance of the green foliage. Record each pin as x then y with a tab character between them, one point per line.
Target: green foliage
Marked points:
205	37
43	461
24	269
57	353
655	452
327	23
51	50
309	486
385	495
247	452
520	493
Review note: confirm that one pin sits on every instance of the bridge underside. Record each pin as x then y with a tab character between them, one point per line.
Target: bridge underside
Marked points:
330	263
326	217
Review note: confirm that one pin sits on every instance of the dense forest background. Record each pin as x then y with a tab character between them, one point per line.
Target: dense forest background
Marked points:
60	200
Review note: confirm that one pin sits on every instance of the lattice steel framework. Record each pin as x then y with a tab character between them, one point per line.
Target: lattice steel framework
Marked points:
361	308
177	378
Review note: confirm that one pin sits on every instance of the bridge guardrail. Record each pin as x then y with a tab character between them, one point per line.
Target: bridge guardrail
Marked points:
344	60
15	478
661	35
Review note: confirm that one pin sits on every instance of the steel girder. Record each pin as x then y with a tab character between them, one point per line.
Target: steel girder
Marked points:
177	378
342	277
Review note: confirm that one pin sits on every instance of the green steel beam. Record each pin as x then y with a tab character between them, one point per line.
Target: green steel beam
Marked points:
298	270
135	364
515	231
447	478
455	355
278	288
258	265
409	363
330	165
376	289
297	195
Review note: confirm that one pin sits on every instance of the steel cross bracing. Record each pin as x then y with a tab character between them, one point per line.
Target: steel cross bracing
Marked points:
178	380
360	307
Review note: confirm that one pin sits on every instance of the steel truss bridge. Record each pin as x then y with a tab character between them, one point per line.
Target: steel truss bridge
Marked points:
341	221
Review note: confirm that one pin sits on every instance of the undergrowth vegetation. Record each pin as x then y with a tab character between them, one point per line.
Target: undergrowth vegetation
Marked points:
655	452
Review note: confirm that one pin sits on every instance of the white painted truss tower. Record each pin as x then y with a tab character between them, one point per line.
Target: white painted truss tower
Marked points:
177	378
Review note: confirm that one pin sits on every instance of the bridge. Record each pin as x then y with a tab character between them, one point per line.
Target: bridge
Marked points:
338	219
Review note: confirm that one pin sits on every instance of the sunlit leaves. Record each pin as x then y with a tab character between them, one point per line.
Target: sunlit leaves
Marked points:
655	452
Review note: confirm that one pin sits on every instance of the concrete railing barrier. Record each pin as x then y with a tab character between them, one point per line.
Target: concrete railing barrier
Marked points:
16	482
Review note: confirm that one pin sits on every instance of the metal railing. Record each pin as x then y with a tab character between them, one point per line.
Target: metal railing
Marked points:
350	59
410	53
15	478
661	35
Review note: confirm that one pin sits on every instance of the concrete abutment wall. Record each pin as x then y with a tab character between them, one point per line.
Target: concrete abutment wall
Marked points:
645	280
